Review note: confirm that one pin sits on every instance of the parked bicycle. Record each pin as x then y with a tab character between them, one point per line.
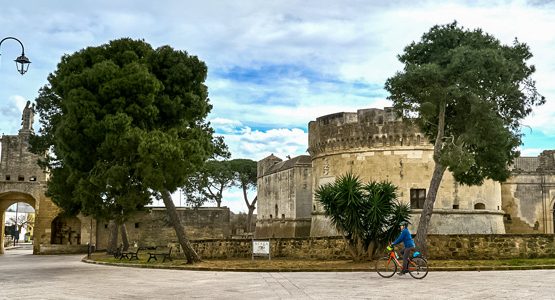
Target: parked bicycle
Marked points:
387	266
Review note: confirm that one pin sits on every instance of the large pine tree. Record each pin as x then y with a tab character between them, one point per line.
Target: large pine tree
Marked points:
470	94
125	122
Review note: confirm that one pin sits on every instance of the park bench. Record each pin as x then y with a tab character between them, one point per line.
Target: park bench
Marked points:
130	254
164	253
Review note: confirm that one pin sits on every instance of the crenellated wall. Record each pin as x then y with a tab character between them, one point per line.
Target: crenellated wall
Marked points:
367	128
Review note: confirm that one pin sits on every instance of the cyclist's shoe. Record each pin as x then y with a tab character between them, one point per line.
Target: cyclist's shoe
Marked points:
403	272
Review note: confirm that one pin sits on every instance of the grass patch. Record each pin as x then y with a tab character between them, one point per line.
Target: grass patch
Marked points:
324	265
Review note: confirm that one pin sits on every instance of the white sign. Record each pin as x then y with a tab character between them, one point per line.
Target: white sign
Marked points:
261	247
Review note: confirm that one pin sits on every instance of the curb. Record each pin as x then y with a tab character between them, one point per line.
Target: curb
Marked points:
192	268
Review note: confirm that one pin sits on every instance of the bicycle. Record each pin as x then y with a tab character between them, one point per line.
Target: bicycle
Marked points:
387	266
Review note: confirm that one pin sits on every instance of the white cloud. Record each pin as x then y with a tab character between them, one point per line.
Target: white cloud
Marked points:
530	151
256	144
335	55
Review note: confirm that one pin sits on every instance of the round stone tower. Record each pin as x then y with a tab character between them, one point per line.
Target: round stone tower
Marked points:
377	145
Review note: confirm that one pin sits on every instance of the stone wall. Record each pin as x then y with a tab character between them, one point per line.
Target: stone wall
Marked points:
491	246
63	249
476	246
153	228
529	195
294	248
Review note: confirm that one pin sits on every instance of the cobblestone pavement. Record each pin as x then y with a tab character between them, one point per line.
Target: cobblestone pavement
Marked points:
25	276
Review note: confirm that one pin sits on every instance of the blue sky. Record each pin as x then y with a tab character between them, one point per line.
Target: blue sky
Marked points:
273	66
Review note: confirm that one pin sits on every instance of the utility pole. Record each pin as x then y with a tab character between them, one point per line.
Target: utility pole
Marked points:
16	236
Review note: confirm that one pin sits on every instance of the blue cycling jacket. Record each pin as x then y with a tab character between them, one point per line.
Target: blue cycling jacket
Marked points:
406	238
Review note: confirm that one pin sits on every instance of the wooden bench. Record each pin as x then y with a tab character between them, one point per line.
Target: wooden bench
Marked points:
130	254
164	253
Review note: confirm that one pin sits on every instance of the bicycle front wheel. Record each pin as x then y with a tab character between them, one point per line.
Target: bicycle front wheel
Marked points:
386	267
418	268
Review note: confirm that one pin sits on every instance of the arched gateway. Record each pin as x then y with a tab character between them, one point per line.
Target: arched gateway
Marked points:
22	180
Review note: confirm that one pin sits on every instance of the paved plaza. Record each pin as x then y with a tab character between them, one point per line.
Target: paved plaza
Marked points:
25	276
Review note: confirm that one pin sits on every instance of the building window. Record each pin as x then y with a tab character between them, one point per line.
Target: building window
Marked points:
33	178
270	217
479	206
105	226
7	177
455	206
417	198
276	210
136	225
21	178
283	216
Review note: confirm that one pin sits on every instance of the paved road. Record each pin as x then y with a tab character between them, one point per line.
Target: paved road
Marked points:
24	276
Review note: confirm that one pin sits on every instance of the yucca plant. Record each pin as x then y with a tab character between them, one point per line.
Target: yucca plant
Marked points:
367	215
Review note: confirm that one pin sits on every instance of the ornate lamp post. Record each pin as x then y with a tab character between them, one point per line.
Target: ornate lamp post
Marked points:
22	62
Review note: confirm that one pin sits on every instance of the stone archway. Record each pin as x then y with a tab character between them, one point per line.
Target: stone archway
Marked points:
6	200
65	231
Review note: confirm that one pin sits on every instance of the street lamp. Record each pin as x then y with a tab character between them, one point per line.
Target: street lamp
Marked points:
22	62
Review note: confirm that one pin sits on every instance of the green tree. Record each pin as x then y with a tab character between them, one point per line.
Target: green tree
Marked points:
245	172
125	122
209	183
469	94
366	215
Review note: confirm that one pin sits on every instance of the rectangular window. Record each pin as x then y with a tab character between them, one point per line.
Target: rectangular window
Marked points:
417	198
20	178
7	177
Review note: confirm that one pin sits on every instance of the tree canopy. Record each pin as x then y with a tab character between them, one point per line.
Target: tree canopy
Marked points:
367	215
209	183
469	94
124	121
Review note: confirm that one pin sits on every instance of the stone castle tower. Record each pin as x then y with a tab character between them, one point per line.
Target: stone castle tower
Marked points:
284	193
375	145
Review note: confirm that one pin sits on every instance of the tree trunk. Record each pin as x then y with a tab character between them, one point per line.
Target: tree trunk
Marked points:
219	196
350	247
426	215
124	238
113	242
439	170
188	250
249	217
251	206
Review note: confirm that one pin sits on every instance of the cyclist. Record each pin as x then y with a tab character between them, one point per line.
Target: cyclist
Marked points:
408	244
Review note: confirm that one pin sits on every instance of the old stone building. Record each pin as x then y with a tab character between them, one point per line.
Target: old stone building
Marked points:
529	195
376	145
283	190
22	180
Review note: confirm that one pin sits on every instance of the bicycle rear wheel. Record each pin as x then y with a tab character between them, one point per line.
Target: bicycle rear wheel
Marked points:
418	268
386	267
